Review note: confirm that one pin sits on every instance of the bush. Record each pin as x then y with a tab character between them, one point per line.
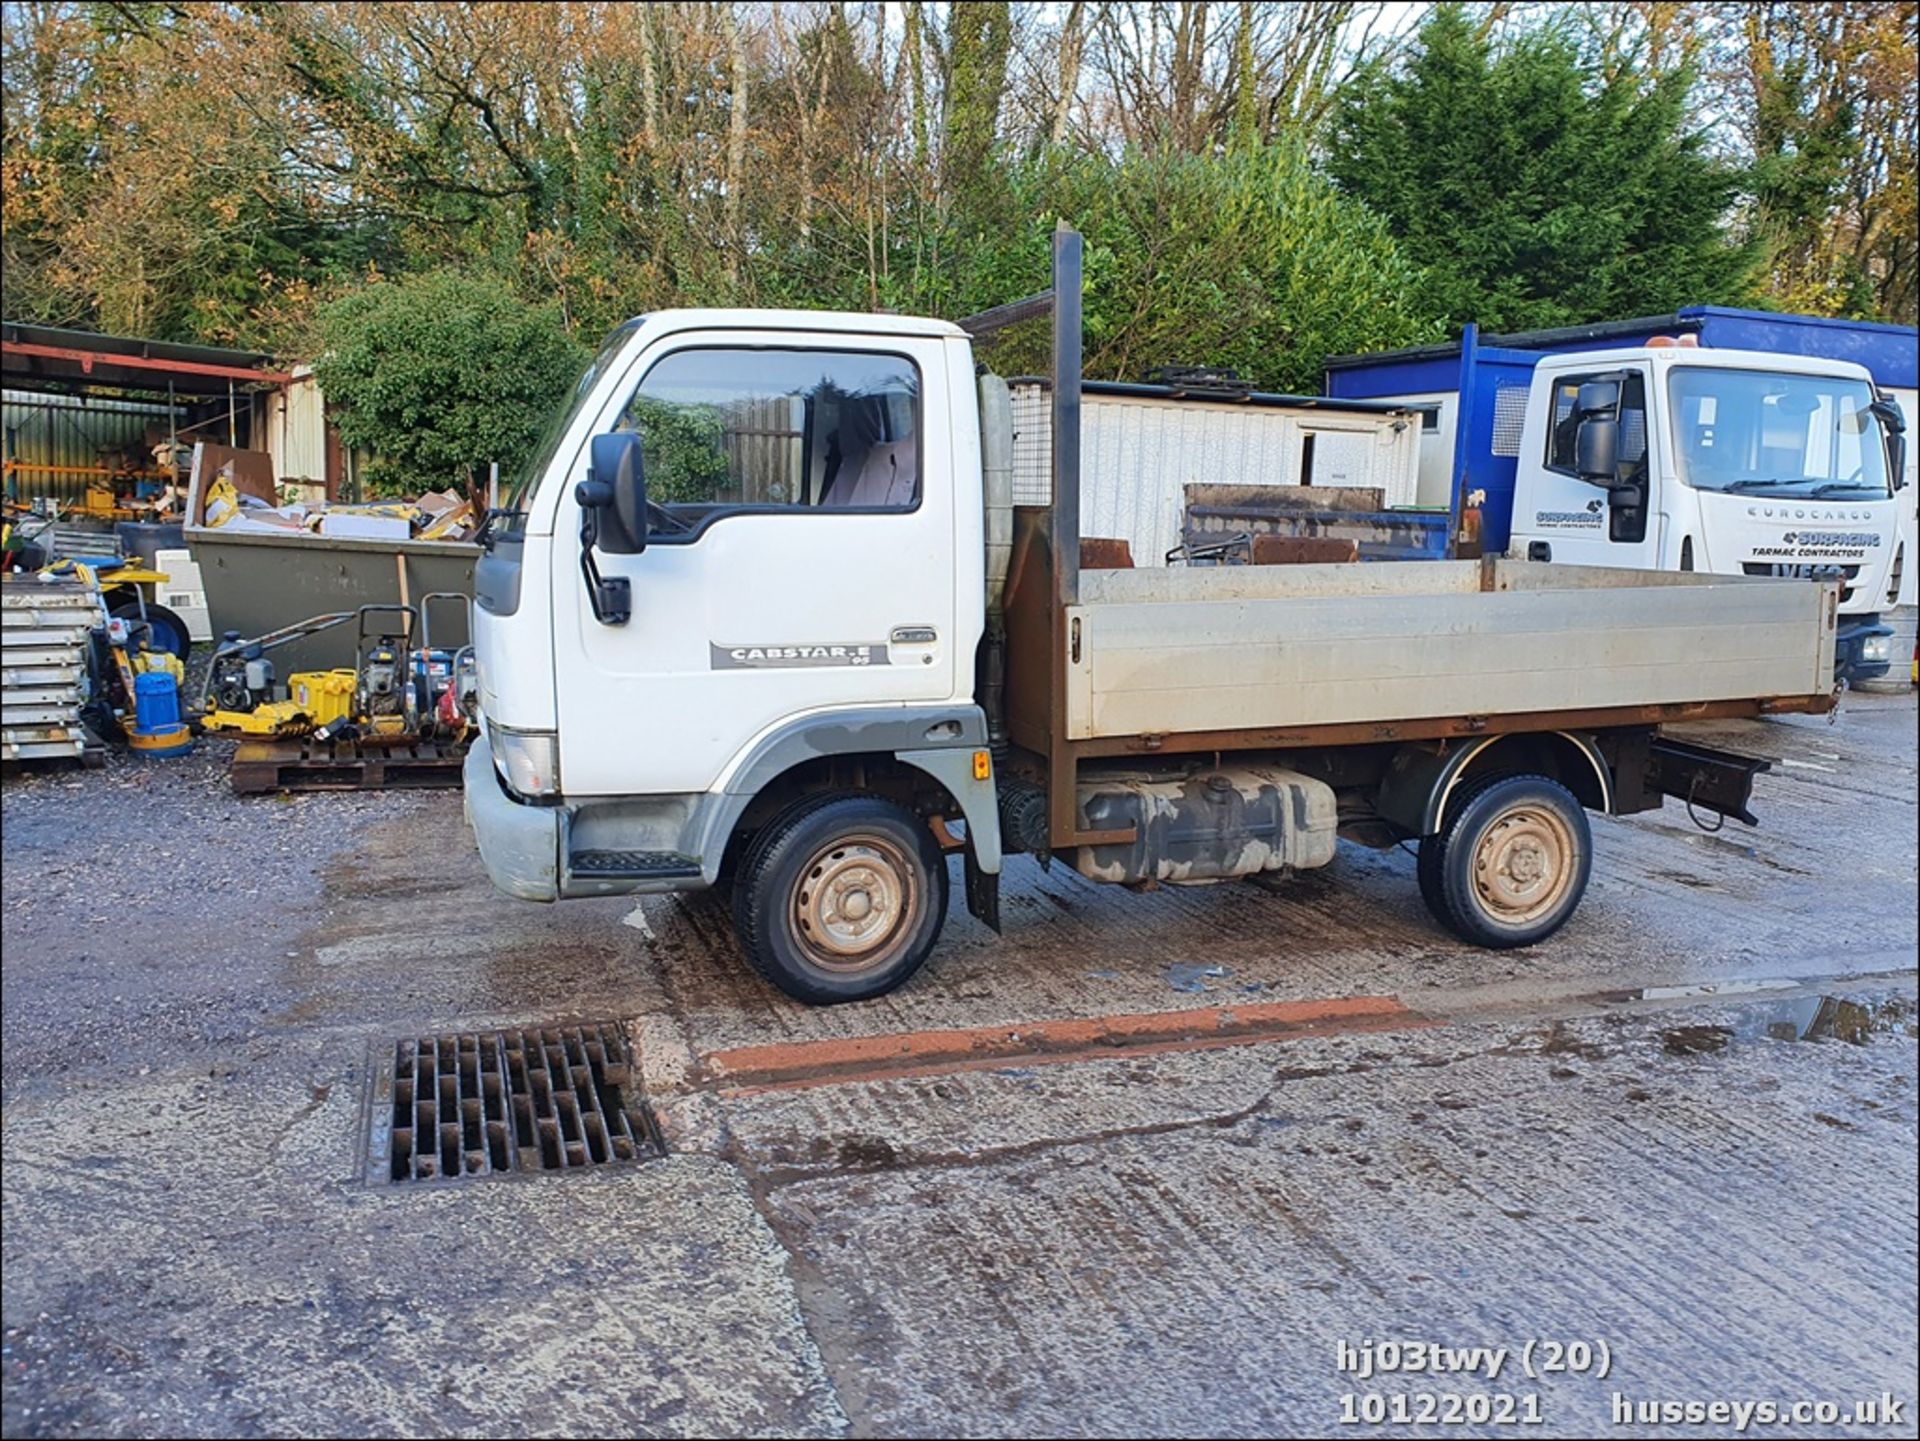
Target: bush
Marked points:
440	374
1251	260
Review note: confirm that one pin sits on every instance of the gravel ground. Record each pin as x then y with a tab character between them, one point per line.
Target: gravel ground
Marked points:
1601	1138
115	877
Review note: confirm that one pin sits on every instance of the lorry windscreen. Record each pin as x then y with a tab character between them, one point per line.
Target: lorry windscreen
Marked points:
1761	432
521	488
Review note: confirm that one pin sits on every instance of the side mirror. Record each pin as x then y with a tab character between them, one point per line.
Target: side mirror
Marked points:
1598	397
616	486
1887	412
613	518
1596	449
1596	439
1627	512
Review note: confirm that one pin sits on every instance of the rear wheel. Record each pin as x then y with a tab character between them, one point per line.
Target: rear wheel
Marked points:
840	899
1511	862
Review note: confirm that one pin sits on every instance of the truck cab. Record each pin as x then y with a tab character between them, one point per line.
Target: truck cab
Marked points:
1727	462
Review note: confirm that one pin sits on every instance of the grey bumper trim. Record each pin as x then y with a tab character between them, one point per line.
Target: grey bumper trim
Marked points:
519	844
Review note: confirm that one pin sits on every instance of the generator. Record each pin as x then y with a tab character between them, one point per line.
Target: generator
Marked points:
375	693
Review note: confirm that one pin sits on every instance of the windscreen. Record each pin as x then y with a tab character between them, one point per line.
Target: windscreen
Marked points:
1759	432
563	416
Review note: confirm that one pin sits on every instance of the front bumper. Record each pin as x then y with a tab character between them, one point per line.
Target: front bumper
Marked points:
519	844
1851	664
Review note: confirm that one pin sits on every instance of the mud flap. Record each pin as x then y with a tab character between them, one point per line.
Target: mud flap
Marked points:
983	894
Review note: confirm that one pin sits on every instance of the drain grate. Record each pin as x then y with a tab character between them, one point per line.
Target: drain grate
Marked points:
489	1103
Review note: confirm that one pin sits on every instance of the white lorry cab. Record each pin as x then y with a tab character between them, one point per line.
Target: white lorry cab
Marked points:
1727	460
763	615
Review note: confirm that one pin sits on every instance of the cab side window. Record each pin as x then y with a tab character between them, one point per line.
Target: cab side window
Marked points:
1633	421
727	429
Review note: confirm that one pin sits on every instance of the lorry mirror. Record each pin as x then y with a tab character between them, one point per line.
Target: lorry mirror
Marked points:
1627	512
1596	448
613	518
1598	397
616	487
1887	412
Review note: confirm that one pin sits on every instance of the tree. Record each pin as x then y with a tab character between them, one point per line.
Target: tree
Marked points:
1825	100
1535	190
134	205
219	171
441	373
1251	260
977	40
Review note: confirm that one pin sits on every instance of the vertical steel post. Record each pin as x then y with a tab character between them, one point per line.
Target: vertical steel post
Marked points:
1066	414
1466	398
1063	768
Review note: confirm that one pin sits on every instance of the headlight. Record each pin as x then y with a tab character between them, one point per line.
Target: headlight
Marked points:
1877	647
528	761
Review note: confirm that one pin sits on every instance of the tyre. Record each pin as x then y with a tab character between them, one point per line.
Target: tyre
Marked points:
1431	868
169	631
1515	856
840	899
1432	859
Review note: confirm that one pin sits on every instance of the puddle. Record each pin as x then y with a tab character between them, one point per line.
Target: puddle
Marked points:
1186	976
1807	1018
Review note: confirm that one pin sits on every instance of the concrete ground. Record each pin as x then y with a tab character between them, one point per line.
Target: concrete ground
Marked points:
1616	1139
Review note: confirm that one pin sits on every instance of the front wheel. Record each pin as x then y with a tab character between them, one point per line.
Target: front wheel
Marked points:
841	899
1512	862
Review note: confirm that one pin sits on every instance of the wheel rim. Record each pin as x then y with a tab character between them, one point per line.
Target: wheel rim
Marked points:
853	903
1523	865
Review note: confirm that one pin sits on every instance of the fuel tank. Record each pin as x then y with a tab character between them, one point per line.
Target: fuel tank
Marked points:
1212	825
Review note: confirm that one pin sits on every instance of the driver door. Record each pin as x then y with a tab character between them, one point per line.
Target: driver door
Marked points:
799	555
1575	516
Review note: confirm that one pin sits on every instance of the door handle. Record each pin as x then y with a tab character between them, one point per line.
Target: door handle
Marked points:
914	635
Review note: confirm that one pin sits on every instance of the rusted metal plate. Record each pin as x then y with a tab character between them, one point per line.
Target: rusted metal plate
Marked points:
1098	552
1304	550
495	1103
793	1065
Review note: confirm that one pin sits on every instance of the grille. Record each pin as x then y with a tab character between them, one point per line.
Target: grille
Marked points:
1795	570
1509	419
492	1103
1800	570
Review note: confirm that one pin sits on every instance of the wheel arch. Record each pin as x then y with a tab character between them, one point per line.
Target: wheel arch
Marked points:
884	751
1420	782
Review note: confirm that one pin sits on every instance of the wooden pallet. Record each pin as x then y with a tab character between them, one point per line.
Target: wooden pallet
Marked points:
262	767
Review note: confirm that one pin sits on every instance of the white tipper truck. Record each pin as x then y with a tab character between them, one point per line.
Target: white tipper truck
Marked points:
762	615
1730	458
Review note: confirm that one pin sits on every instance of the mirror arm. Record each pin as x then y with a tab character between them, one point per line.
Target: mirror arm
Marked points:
611	598
483	537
